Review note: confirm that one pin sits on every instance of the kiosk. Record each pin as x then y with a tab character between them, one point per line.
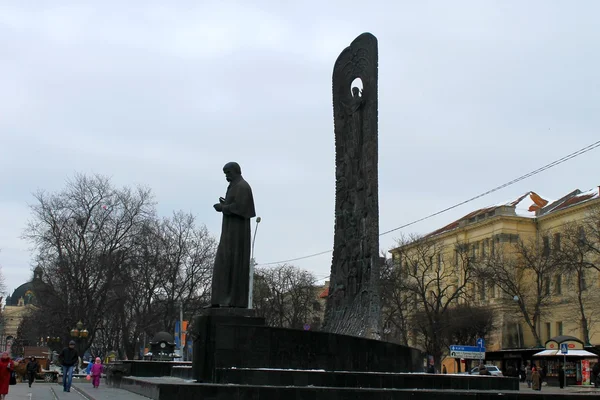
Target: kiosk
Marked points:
578	363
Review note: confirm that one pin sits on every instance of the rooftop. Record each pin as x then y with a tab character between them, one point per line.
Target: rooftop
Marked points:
527	205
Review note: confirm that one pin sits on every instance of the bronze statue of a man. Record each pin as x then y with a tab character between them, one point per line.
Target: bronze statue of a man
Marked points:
231	274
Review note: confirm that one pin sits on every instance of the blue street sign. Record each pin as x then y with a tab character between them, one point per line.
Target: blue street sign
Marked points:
470	352
474	349
480	343
564	348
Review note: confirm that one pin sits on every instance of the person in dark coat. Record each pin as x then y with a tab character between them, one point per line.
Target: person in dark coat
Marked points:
522	373
561	376
596	374
528	375
483	370
33	367
544	372
231	273
510	371
68	358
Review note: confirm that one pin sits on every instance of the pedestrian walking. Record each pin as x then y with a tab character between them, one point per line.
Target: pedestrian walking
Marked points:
596	374
7	367
96	371
88	369
510	370
33	367
528	377
536	379
561	376
522	373
483	370
68	358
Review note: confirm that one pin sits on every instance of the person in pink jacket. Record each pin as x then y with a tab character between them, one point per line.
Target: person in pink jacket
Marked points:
96	372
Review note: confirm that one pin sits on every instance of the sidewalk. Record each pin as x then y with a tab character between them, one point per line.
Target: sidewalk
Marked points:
104	392
22	391
555	389
79	391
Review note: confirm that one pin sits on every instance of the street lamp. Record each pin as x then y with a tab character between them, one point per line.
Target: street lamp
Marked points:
48	340
79	331
79	334
252	263
516	298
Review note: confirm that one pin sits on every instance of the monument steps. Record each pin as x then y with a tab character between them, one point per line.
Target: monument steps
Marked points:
356	379
173	388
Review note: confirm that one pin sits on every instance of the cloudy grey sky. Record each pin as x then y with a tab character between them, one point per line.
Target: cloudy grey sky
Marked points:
472	94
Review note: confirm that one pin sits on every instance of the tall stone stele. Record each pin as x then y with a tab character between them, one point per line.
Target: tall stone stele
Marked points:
353	301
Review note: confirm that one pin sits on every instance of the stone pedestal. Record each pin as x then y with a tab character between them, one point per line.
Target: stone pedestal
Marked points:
208	338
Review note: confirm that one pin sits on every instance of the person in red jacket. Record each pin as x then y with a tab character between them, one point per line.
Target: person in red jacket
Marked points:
6	368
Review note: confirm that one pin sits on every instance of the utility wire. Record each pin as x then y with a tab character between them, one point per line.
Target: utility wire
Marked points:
512	182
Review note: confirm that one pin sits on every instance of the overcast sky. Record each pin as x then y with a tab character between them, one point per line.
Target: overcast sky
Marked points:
471	93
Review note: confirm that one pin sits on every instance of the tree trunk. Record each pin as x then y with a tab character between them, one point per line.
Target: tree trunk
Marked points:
534	332
584	321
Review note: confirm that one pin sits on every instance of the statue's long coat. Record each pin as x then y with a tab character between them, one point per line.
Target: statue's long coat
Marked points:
231	275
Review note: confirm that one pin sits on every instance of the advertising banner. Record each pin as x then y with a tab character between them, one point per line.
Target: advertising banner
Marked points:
585	372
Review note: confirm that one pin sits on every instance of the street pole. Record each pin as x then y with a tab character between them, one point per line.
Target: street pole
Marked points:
516	298
564	367
181	344
252	263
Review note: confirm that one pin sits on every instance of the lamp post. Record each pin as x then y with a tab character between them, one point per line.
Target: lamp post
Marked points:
181	344
252	264
49	341
516	298
79	334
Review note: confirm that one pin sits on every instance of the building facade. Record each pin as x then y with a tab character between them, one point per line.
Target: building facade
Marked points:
18	305
532	261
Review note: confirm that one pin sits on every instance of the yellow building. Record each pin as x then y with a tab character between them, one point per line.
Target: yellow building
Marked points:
477	260
17	306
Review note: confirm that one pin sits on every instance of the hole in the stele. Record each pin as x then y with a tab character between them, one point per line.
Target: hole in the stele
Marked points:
356	83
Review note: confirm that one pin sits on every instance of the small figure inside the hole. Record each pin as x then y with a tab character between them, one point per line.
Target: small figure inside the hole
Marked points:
356	102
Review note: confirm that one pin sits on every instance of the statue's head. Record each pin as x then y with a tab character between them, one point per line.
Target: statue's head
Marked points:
232	170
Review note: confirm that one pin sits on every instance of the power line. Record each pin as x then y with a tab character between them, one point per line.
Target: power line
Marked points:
296	259
522	177
512	182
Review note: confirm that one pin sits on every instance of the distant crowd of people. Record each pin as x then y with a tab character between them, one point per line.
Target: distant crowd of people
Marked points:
68	358
533	375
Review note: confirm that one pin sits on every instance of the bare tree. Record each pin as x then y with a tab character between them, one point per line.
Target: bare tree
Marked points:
171	269
395	304
589	235
434	278
577	260
111	263
187	259
2	281
286	296
466	323
83	236
523	272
